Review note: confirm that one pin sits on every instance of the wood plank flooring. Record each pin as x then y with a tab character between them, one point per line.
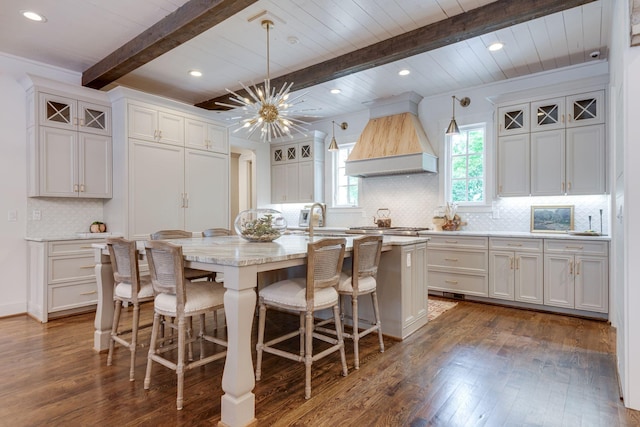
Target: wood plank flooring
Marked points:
475	365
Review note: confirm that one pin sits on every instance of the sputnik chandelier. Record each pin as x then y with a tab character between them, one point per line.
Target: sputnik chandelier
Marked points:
265	109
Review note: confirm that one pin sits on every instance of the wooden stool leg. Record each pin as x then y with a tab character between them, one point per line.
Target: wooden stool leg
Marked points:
343	357
114	330
152	349
134	340
308	353
356	332
180	365
376	311
260	345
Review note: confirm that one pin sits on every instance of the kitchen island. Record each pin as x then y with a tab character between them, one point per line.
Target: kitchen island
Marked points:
405	289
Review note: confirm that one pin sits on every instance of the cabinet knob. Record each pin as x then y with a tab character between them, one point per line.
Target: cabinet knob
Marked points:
75	188
82	188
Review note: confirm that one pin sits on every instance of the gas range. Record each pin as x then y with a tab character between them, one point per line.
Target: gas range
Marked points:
387	231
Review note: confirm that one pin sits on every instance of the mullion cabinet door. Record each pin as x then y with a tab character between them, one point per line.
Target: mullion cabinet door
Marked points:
585	109
548	114
513	119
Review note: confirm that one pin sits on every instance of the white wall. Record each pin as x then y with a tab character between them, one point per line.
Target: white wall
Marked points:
13	178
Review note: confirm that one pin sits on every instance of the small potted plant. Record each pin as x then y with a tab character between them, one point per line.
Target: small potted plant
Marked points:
260	225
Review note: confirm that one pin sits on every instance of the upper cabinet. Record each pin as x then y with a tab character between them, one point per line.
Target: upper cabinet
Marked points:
566	112
563	152
205	136
297	170
69	141
513	119
150	123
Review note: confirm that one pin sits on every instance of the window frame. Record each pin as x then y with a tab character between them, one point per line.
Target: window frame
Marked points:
486	204
335	182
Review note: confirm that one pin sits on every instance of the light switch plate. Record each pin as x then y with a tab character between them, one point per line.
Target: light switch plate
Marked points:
12	215
36	215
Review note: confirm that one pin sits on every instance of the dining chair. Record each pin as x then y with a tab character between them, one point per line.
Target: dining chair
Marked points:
305	296
131	289
181	299
215	232
190	273
362	281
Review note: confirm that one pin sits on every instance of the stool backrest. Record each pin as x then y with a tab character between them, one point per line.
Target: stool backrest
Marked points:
366	257
213	232
172	234
124	262
166	267
324	263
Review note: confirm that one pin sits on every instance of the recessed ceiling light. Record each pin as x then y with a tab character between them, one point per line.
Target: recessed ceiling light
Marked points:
293	40
496	46
404	72
195	73
33	16
335	91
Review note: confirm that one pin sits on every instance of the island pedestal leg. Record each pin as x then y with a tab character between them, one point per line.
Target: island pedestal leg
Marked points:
238	379
104	312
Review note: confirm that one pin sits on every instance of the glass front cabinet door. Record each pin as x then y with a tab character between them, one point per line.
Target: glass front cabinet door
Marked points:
513	119
585	109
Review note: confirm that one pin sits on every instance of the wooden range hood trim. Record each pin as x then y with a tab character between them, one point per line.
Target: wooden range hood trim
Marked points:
395	135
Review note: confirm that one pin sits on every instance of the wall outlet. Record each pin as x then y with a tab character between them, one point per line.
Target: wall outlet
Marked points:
36	215
12	215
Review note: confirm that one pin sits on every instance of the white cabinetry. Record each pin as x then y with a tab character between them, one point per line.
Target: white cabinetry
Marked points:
576	274
514	174
458	264
61	278
297	170
561	146
70	146
160	183
205	136
402	289
151	123
515	269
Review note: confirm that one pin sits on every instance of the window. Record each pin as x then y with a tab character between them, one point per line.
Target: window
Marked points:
466	166
345	188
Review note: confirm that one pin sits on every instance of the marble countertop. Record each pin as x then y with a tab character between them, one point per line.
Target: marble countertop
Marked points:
520	234
73	236
235	251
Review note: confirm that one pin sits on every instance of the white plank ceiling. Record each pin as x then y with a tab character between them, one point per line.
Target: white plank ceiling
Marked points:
78	33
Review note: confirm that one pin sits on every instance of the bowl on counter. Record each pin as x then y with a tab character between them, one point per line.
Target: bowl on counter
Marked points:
260	225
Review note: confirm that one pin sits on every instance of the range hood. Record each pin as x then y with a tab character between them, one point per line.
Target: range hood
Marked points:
393	141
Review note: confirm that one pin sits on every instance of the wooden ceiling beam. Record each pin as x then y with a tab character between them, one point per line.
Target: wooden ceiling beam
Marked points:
186	22
476	22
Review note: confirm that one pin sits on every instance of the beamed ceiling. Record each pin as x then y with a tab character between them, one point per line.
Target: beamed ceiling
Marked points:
357	46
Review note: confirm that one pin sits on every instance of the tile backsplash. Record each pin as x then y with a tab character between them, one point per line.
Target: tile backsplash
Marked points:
412	200
62	216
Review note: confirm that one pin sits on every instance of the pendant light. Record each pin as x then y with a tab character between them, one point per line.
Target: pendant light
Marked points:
453	128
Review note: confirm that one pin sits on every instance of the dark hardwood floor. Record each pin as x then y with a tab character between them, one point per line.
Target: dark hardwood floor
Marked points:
475	365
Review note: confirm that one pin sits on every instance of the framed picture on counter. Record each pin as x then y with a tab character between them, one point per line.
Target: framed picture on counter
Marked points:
551	219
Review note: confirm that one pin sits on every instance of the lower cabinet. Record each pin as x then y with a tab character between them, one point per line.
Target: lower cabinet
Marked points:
515	269
576	275
402	289
61	278
459	265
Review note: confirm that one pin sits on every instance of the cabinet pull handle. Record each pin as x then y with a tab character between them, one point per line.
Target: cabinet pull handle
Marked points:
451	241
569	186
75	188
574	247
514	244
81	122
159	134
563	186
511	263
500	188
517	263
86	247
88	266
577	268
570	267
186	200
182	198
562	118
451	259
89	293
155	133
82	188
568	117
455	282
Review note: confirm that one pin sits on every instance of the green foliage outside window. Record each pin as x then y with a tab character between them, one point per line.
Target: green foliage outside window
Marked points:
468	165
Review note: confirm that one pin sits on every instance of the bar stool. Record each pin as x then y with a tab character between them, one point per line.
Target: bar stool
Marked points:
362	281
190	273
304	297
131	289
181	299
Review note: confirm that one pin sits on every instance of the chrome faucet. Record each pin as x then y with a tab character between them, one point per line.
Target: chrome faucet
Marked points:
323	210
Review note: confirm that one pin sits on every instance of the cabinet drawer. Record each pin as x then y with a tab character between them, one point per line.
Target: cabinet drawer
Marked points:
68	296
64	268
68	247
458	242
458	283
468	261
582	247
510	244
